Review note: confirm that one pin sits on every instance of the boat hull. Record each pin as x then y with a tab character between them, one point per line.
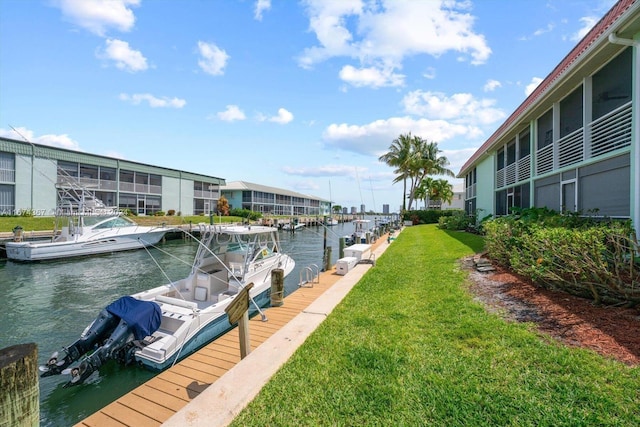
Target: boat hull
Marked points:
212	328
41	251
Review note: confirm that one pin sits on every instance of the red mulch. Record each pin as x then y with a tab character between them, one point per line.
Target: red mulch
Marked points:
610	331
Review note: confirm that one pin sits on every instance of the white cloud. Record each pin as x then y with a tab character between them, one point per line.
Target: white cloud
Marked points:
320	171
61	141
491	85
261	6
374	138
213	59
381	34
154	102
373	77
124	57
535	81
231	114
460	108
282	118
587	24
429	73
97	16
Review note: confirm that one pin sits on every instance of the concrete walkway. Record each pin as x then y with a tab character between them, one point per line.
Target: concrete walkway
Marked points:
219	404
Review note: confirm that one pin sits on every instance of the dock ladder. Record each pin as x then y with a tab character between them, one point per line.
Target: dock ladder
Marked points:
308	276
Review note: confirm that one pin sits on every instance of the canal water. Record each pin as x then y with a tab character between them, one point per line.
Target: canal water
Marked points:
50	304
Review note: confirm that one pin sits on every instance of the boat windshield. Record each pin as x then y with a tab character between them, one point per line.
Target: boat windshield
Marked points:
116	222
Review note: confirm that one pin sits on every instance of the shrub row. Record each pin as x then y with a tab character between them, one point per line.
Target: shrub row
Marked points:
597	260
431	216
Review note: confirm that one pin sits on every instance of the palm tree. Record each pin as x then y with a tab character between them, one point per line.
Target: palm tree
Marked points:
414	159
426	161
441	190
399	156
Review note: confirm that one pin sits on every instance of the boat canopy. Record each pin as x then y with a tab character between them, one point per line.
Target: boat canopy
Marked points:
143	317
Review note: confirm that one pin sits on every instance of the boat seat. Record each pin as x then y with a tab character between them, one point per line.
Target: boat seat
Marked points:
200	293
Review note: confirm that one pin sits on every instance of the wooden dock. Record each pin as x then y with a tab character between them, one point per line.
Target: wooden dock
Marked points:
154	402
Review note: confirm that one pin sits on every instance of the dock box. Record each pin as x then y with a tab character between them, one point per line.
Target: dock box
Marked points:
360	251
344	265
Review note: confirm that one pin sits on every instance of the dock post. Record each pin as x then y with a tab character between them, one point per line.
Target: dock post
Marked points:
277	287
327	259
341	248
19	391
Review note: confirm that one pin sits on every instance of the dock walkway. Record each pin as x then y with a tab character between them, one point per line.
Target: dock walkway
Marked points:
213	385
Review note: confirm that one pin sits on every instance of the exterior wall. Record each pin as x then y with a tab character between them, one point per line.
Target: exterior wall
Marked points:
44	194
234	198
485	202
172	195
186	197
24	176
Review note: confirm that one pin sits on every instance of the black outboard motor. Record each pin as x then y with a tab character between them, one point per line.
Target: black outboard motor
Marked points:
120	323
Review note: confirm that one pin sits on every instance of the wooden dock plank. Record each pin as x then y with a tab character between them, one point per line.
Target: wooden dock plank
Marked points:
159	398
146	406
100	419
128	416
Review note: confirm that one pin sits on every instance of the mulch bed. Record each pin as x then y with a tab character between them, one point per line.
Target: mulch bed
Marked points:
608	330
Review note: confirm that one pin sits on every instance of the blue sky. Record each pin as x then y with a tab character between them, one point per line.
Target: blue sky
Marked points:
302	95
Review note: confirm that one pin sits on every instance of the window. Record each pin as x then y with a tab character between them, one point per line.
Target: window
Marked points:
511	152
500	159
571	112
545	130
524	144
611	85
107	174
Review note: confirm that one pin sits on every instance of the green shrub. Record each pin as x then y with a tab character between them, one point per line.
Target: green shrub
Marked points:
431	216
582	256
245	213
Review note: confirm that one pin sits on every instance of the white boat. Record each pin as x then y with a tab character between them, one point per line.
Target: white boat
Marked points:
360	232
85	226
181	316
288	226
331	222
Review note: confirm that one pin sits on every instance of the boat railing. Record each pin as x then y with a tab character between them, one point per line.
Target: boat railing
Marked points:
308	276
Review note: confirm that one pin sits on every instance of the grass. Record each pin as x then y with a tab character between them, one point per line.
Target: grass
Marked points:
45	223
409	346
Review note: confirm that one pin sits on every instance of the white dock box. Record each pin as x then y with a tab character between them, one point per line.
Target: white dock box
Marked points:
344	265
360	251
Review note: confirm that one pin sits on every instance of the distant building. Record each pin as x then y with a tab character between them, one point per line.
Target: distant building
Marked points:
362	209
573	145
272	200
385	209
32	174
354	210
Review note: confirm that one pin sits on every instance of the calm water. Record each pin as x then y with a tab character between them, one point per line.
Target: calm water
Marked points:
50	304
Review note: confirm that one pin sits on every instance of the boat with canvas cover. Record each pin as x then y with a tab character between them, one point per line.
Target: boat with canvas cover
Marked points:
190	312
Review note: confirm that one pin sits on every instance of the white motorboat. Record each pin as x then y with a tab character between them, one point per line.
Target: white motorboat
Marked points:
331	222
85	226
289	226
181	316
360	232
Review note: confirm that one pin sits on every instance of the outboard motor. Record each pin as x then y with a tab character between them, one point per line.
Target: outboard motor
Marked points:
120	323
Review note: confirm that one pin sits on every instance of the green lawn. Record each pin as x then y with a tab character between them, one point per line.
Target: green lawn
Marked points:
409	346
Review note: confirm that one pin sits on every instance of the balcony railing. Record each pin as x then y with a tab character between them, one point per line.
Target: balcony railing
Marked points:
608	133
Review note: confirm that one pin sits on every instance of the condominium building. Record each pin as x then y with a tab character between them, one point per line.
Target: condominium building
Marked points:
32	175
573	145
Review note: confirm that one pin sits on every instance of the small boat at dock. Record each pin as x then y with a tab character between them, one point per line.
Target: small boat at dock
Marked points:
85	226
184	315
